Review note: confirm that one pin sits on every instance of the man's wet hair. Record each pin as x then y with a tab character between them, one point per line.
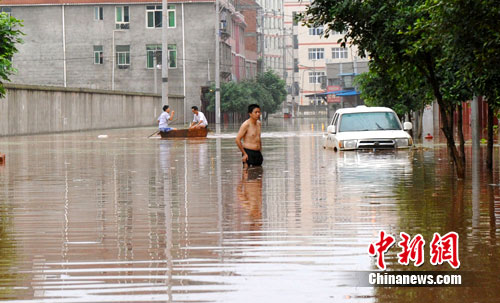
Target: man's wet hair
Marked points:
251	107
165	107
194	107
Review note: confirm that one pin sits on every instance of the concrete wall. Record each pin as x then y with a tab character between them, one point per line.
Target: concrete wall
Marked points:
40	58
36	109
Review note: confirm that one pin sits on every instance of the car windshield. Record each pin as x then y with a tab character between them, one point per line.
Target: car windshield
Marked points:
369	121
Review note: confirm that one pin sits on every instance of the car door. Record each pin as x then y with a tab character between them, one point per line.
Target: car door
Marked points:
331	137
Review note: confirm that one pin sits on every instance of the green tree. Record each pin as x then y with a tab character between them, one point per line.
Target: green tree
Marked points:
404	93
268	90
400	37
9	37
275	86
469	33
233	98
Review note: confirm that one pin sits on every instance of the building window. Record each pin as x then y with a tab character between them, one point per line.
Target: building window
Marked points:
153	16
316	31
98	12
339	33
172	56
316	53
339	53
153	50
6	10
123	56
315	77
294	18
171	15
122	17
295	42
295	65
98	54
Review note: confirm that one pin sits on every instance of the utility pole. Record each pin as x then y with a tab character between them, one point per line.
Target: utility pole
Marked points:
217	64
283	44
263	43
294	111
164	57
315	80
154	66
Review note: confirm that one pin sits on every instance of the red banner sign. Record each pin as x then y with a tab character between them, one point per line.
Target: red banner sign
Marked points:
332	98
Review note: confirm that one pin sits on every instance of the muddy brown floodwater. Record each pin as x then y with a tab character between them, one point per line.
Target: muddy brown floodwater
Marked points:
131	219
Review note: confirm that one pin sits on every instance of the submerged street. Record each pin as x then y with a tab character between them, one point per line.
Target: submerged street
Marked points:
134	219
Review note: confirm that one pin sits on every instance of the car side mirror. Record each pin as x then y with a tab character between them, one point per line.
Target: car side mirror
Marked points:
330	129
407	126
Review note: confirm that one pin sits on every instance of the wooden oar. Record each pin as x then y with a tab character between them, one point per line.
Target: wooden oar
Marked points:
155	133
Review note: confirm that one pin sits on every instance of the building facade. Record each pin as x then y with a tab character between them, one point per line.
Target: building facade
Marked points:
117	45
309	52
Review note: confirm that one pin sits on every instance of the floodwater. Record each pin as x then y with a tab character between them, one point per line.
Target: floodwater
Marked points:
132	219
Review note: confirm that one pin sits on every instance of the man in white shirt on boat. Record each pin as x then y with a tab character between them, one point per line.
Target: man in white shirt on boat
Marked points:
164	118
199	120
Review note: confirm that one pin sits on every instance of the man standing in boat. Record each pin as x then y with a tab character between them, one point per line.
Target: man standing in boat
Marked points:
164	118
250	134
199	120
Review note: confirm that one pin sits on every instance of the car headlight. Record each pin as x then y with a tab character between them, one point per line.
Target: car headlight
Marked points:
349	144
401	143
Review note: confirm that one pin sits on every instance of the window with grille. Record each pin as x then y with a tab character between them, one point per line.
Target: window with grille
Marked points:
316	53
123	56
98	54
339	53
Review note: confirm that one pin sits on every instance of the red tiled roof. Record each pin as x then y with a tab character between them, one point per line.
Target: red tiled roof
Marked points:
77	2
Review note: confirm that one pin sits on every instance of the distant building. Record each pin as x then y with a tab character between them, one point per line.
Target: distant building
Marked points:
309	54
117	44
264	35
340	78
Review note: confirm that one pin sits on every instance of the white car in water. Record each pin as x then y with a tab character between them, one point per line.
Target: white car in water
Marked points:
364	127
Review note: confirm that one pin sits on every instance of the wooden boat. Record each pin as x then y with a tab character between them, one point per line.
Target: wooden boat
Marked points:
185	133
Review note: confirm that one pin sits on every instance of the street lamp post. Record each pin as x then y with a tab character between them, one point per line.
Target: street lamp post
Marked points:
217	66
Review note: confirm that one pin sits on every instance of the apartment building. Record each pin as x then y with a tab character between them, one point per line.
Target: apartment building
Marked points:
308	53
117	44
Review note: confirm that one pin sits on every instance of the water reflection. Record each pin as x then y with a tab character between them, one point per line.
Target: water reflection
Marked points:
131	219
250	196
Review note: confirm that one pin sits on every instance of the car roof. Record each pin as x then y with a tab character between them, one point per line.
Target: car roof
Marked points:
363	109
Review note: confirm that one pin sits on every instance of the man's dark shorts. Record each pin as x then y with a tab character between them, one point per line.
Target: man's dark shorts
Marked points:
254	157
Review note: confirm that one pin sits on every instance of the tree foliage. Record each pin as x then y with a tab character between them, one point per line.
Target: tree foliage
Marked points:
420	48
404	93
9	37
268	90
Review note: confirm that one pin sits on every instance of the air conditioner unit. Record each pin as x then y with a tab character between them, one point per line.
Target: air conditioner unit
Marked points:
122	25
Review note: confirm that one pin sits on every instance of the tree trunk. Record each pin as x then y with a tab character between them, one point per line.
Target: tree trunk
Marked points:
461	132
420	124
446	113
451	121
410	120
447	119
489	153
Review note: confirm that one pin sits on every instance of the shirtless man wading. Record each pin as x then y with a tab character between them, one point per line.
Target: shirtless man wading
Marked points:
250	134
